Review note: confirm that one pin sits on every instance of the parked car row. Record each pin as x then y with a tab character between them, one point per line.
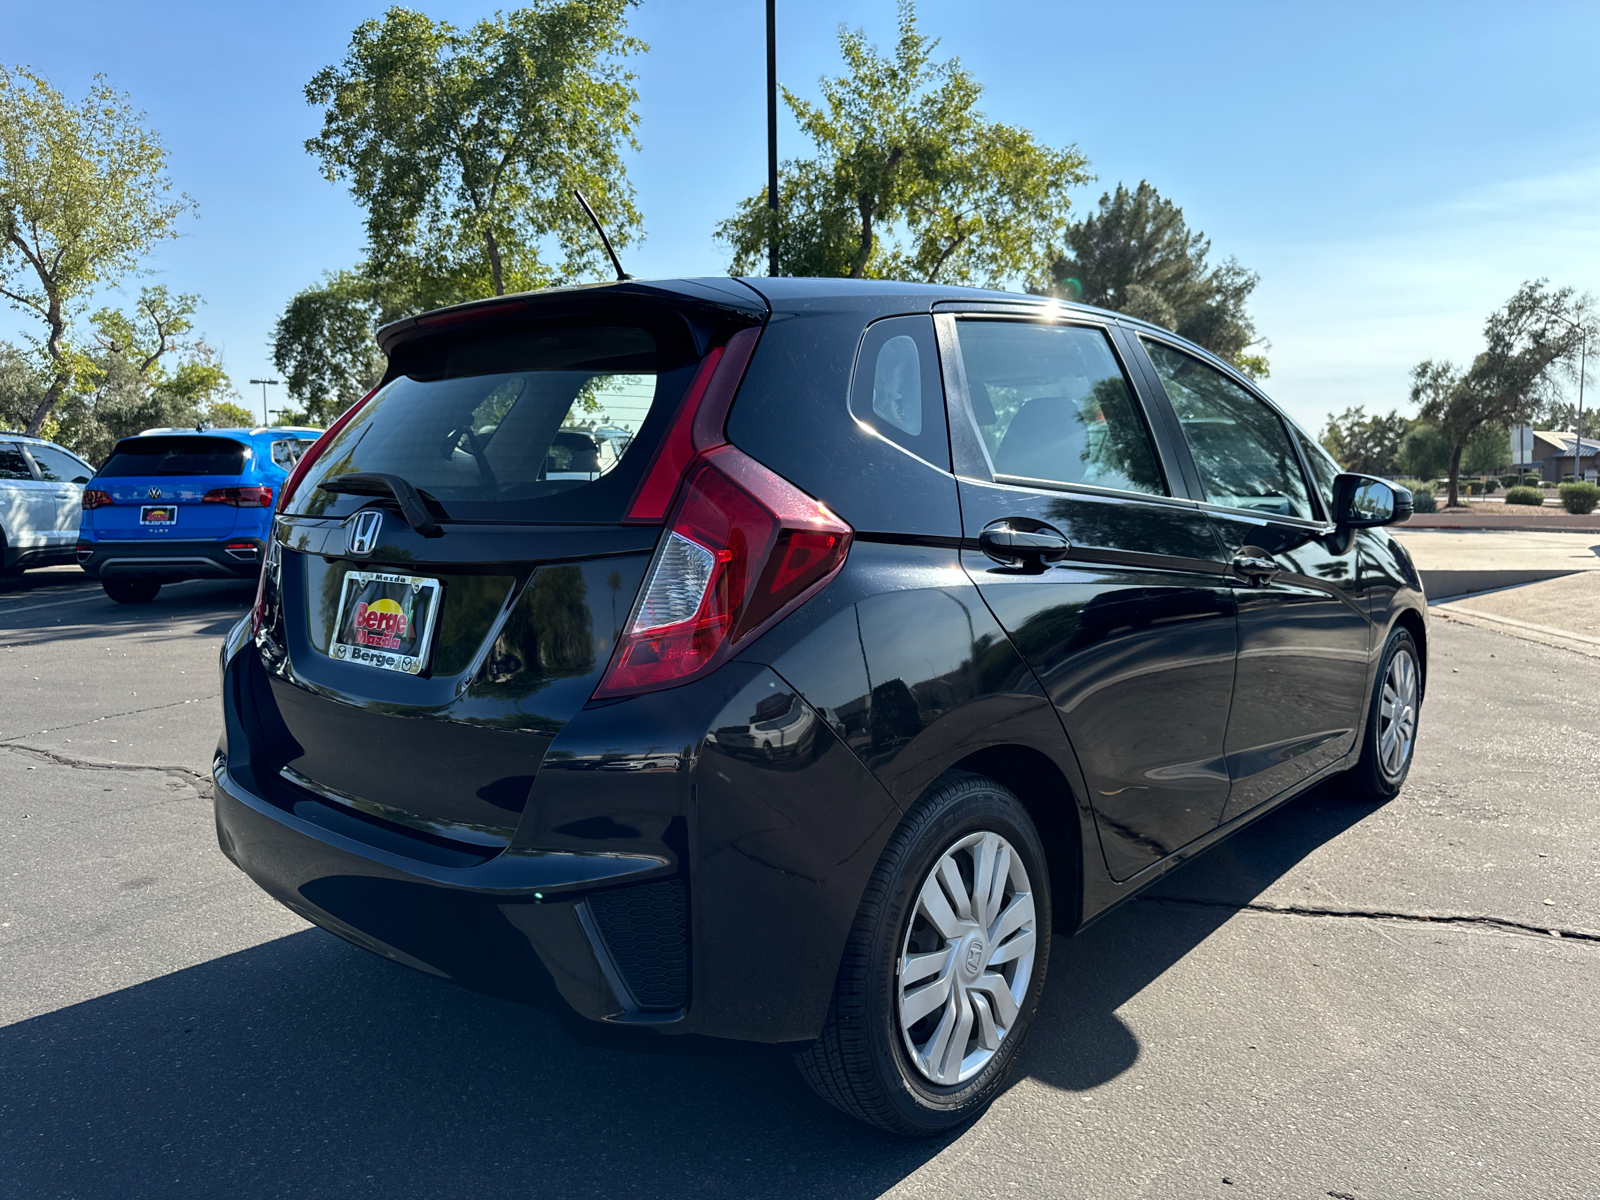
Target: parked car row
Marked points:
166	505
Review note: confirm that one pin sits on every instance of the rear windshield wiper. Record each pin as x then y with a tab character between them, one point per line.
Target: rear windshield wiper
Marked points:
414	503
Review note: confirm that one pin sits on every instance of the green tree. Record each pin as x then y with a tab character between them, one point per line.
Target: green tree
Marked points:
1137	255
1369	445
463	146
21	385
1529	343
909	180
323	345
84	194
1424	451
1488	450
1564	415
145	370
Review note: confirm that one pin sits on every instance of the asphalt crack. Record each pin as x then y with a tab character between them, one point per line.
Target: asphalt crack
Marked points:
132	712
1377	914
201	783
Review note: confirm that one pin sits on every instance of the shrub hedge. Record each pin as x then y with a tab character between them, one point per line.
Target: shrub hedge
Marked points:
1530	496
1580	498
1423	502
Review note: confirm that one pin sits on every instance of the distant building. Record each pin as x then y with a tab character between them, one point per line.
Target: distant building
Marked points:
1549	452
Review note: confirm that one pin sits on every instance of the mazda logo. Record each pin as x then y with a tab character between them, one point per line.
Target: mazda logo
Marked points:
361	532
154	493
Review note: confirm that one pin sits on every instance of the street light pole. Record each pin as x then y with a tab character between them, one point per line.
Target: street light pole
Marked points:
1577	445
772	137
265	419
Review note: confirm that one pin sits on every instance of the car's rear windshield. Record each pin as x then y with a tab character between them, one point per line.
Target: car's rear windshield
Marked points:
553	421
175	455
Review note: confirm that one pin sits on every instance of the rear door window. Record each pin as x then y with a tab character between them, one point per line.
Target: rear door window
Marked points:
897	390
12	463
1240	446
175	455
1053	405
58	466
555	422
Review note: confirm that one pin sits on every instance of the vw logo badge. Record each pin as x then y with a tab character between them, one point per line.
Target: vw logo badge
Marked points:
154	493
361	532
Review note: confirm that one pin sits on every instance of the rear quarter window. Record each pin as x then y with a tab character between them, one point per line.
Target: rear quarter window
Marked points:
556	421
167	455
897	391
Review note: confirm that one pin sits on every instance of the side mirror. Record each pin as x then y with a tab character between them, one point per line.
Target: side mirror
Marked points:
1362	501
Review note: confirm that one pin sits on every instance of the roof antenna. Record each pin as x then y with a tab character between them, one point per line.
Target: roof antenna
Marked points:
604	240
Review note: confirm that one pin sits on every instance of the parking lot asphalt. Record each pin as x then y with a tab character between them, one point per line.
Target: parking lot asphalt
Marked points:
1343	1001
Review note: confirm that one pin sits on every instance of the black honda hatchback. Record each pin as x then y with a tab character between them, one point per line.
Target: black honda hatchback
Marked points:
787	660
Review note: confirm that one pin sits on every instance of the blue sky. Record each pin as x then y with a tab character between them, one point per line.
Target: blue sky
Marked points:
1393	171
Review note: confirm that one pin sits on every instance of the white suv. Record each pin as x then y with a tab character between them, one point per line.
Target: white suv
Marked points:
41	498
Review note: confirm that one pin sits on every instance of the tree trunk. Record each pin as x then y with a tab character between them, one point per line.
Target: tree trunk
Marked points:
494	262
58	385
859	267
1450	500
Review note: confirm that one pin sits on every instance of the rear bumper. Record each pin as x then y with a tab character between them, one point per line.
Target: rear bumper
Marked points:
172	560
515	926
655	877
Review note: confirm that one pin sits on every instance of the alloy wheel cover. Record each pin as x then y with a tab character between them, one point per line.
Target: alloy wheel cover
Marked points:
966	958
1397	715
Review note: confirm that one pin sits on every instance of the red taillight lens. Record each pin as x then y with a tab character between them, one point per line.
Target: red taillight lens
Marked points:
269	564
239	497
95	498
314	451
696	427
743	549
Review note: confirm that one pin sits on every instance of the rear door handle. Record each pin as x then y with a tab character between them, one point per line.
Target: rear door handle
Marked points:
1023	542
1253	567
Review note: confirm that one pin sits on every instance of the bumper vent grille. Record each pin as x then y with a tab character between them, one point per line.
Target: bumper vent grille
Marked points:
646	929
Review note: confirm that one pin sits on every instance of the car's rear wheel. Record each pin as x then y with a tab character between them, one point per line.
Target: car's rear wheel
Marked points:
944	967
131	591
1391	733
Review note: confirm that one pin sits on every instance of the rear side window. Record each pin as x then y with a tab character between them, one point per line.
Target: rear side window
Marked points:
1239	445
897	390
12	464
60	467
169	455
286	452
1053	405
550	422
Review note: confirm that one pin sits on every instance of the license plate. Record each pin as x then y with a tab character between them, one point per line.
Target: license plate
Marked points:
386	620
158	514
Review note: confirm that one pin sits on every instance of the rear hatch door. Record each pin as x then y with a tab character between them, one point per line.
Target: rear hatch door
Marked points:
158	484
418	679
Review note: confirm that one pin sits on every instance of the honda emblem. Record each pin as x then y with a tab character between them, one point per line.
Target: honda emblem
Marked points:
361	532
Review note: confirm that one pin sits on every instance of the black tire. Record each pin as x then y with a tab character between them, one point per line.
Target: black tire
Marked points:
131	591
862	1063
1373	779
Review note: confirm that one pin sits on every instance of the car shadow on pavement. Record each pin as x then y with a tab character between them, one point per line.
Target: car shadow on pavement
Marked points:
306	1067
1079	1041
60	617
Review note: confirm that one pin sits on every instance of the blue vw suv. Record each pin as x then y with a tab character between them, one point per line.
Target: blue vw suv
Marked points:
174	504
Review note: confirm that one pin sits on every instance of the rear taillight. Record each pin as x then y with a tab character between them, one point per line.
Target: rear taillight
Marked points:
744	548
269	565
314	451
239	497
95	498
